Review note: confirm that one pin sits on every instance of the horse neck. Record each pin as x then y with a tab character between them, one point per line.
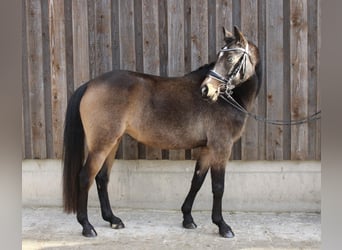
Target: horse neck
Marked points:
201	73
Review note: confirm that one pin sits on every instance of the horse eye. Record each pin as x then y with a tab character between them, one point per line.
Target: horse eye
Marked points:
230	59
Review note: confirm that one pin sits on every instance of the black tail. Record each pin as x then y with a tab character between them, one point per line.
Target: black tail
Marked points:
73	150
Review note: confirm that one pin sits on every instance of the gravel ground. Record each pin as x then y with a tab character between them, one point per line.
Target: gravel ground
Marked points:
50	228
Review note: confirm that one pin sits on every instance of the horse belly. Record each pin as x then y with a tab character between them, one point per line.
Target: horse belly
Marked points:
168	138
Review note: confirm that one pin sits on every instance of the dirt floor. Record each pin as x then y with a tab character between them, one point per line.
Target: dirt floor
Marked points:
50	228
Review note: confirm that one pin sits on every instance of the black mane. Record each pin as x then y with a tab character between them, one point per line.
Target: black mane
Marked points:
203	69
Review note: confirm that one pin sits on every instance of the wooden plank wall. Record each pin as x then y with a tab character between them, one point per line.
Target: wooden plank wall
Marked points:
66	43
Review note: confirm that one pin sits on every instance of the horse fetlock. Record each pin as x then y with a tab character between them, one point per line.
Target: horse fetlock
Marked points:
188	222
82	218
88	229
217	220
186	208
108	216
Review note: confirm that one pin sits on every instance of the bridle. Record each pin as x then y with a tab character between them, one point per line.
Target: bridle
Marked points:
226	91
226	87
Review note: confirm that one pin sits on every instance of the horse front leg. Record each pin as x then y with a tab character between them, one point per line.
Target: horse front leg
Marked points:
196	183
217	180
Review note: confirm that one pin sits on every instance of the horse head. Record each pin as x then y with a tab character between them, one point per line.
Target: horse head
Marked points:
235	64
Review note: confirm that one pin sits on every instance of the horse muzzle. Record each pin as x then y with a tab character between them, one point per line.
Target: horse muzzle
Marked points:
210	89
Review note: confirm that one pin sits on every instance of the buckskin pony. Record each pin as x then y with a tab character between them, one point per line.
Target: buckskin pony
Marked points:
163	112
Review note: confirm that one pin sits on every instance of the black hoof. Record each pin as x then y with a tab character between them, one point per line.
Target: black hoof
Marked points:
118	225
189	225
227	232
89	232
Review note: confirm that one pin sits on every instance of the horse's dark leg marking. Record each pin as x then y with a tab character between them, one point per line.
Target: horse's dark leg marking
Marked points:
217	178
86	178
196	183
102	180
82	212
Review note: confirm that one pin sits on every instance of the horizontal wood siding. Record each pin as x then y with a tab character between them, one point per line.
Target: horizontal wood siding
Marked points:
66	43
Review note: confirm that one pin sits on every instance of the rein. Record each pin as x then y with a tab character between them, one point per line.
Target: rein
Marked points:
228	98
227	92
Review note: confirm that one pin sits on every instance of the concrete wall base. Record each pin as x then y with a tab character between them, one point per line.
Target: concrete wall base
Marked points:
250	186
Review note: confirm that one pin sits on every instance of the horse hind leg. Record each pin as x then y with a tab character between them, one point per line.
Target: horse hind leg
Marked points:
86	179
102	180
94	163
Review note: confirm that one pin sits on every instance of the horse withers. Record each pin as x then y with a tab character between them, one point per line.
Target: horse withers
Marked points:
168	113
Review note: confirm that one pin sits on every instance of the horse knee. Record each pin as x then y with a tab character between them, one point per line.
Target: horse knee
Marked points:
217	184
218	189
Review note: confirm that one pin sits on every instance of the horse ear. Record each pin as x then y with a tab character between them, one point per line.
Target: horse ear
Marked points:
239	36
228	36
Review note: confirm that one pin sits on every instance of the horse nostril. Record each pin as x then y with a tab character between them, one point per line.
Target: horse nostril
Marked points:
205	91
